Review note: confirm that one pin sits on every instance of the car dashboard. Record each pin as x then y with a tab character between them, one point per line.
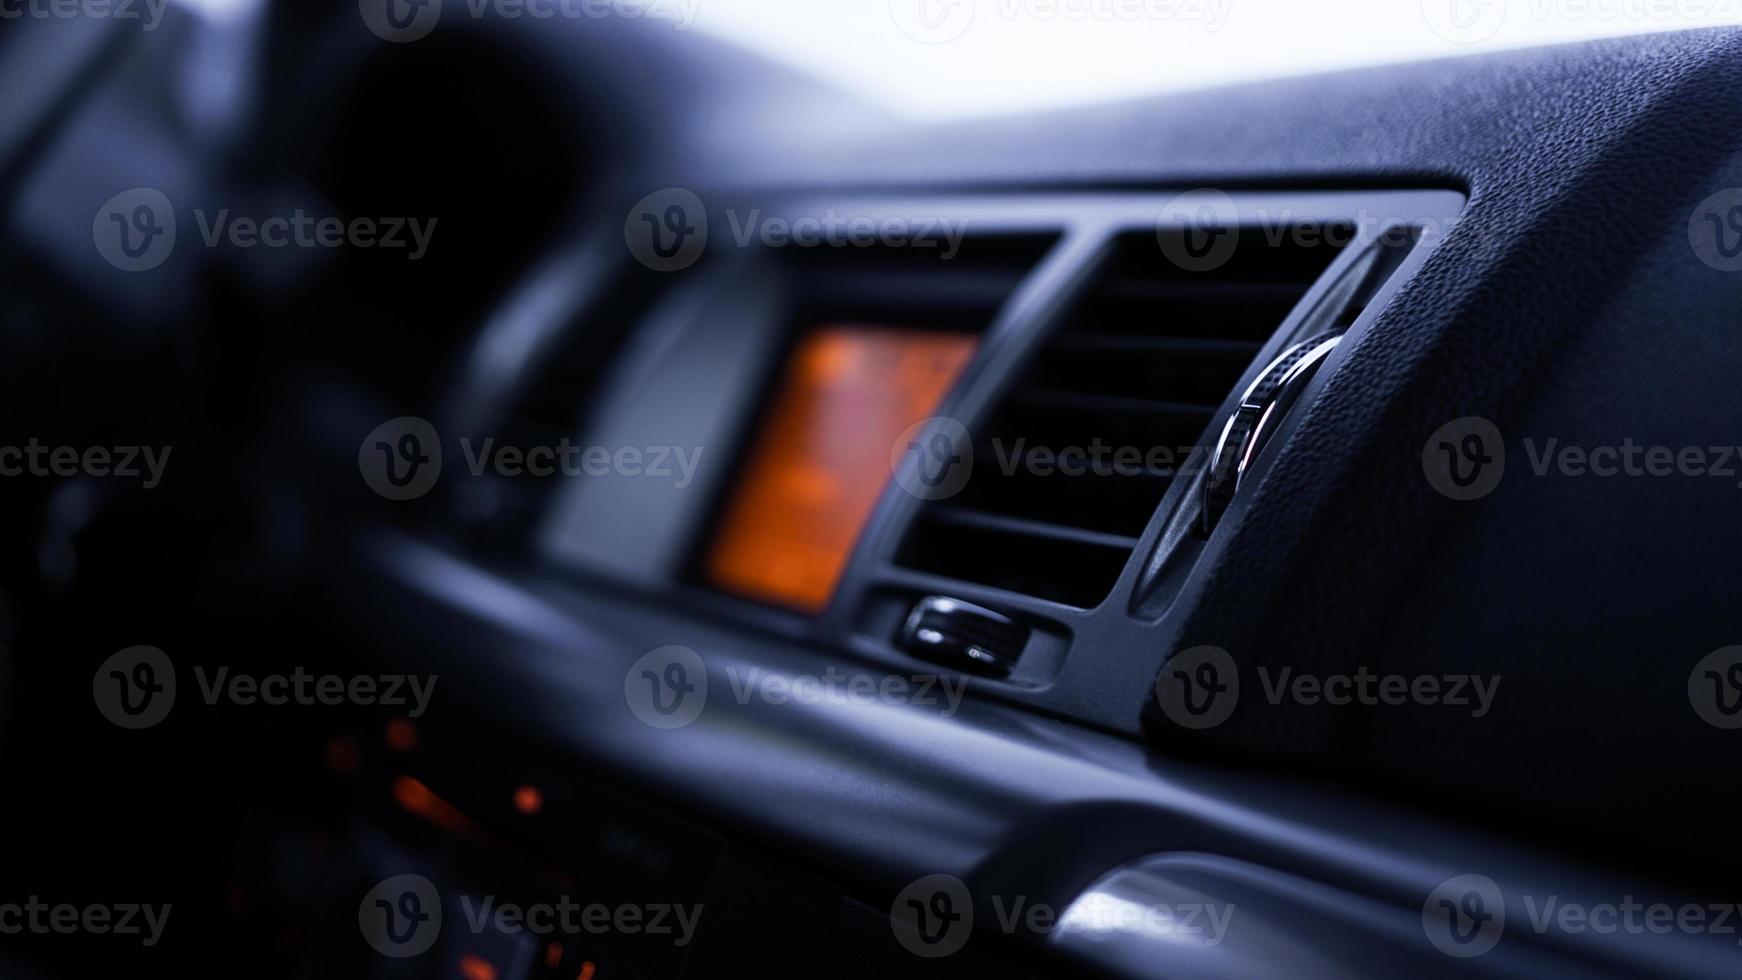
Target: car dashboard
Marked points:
774	536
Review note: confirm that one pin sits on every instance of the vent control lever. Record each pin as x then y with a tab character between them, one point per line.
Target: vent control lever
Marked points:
1263	406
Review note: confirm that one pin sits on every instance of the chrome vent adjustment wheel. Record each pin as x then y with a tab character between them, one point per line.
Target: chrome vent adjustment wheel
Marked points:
1263	406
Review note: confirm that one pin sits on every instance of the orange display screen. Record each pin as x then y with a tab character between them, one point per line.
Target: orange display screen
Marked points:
821	460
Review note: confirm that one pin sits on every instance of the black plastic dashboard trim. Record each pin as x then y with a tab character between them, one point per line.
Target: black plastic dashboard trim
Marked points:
1094	665
875	795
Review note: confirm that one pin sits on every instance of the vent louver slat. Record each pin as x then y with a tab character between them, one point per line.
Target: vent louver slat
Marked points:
551	408
1071	465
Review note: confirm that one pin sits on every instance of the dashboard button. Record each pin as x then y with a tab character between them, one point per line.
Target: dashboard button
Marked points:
962	635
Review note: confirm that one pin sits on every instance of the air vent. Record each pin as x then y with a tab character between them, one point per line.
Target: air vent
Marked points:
552	406
1071	465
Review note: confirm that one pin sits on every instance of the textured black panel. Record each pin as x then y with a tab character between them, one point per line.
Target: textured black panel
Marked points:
1566	303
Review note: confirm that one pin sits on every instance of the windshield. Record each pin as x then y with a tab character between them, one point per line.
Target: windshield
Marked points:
934	59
